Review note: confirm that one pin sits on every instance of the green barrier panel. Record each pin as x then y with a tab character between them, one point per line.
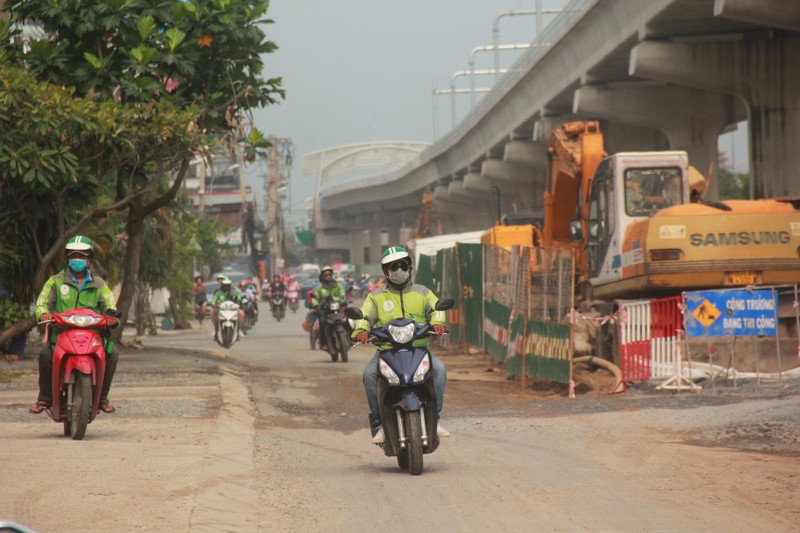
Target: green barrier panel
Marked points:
470	263
547	351
424	273
451	289
495	330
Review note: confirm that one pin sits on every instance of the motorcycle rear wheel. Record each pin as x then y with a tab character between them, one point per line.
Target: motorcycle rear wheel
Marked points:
82	406
414	442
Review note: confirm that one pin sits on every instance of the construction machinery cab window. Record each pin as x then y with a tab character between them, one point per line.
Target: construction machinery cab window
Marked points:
602	218
649	189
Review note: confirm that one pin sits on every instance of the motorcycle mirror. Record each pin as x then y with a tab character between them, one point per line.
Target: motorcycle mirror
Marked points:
444	304
353	313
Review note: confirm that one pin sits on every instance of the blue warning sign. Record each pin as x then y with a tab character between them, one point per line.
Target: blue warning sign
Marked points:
732	312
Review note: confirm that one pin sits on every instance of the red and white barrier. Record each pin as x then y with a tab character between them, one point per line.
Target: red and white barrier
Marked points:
649	338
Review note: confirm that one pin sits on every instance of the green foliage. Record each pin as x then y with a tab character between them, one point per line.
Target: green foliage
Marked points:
12	312
207	52
733	186
60	155
109	109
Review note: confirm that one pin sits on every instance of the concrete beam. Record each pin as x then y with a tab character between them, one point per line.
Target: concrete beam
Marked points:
769	13
692	119
763	73
505	171
527	153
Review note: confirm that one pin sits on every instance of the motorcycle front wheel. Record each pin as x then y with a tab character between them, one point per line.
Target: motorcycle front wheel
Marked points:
344	344
227	337
81	407
414	442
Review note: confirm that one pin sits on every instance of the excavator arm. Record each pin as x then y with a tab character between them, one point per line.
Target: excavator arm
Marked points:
575	151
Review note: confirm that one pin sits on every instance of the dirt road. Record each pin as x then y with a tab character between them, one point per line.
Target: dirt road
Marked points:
272	437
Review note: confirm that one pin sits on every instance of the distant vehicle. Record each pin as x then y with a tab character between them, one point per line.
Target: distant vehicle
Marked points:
309	267
306	286
375	281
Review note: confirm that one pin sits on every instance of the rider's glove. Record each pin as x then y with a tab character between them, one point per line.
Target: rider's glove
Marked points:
439	329
362	337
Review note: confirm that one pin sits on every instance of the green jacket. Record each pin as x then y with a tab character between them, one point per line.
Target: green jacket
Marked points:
61	293
220	296
321	293
387	303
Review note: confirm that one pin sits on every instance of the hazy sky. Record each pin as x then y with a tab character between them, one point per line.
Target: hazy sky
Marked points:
363	70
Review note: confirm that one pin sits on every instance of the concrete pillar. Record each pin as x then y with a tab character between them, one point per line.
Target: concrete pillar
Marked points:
394	236
692	119
375	245
763	72
357	242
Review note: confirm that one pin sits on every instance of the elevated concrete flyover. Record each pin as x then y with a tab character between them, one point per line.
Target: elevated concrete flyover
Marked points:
658	74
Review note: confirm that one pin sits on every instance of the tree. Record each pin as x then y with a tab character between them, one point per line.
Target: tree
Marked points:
200	56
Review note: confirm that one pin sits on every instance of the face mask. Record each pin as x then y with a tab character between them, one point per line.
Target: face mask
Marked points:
77	265
399	276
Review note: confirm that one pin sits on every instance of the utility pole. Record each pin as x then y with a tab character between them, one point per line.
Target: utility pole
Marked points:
273	206
280	157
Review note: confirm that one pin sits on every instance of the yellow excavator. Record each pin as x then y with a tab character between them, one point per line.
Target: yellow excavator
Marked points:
640	228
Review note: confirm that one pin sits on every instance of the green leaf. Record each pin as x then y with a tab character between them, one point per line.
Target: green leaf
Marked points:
146	27
175	38
93	60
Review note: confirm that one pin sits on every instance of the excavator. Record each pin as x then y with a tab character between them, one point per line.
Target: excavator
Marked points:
639	226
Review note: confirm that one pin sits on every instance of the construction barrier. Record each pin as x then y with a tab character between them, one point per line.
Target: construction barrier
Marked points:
648	333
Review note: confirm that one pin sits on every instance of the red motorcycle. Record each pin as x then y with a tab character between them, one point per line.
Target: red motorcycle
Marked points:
79	367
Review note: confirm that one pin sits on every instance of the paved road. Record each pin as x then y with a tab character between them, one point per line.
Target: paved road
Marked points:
270	436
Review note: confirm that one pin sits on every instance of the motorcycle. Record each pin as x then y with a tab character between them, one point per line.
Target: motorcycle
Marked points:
278	307
79	368
406	389
228	324
337	330
250	313
293	303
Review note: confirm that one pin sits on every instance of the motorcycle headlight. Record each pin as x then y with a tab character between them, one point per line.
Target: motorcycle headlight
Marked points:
82	321
422	369
388	373
402	334
334	306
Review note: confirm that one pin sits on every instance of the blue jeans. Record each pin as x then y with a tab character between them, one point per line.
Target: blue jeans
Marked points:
371	375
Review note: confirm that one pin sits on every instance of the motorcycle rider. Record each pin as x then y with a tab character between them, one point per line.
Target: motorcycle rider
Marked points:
72	288
293	286
277	287
398	298
224	293
246	289
327	288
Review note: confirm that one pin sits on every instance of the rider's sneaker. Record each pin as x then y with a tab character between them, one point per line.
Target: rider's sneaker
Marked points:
379	437
242	333
441	432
